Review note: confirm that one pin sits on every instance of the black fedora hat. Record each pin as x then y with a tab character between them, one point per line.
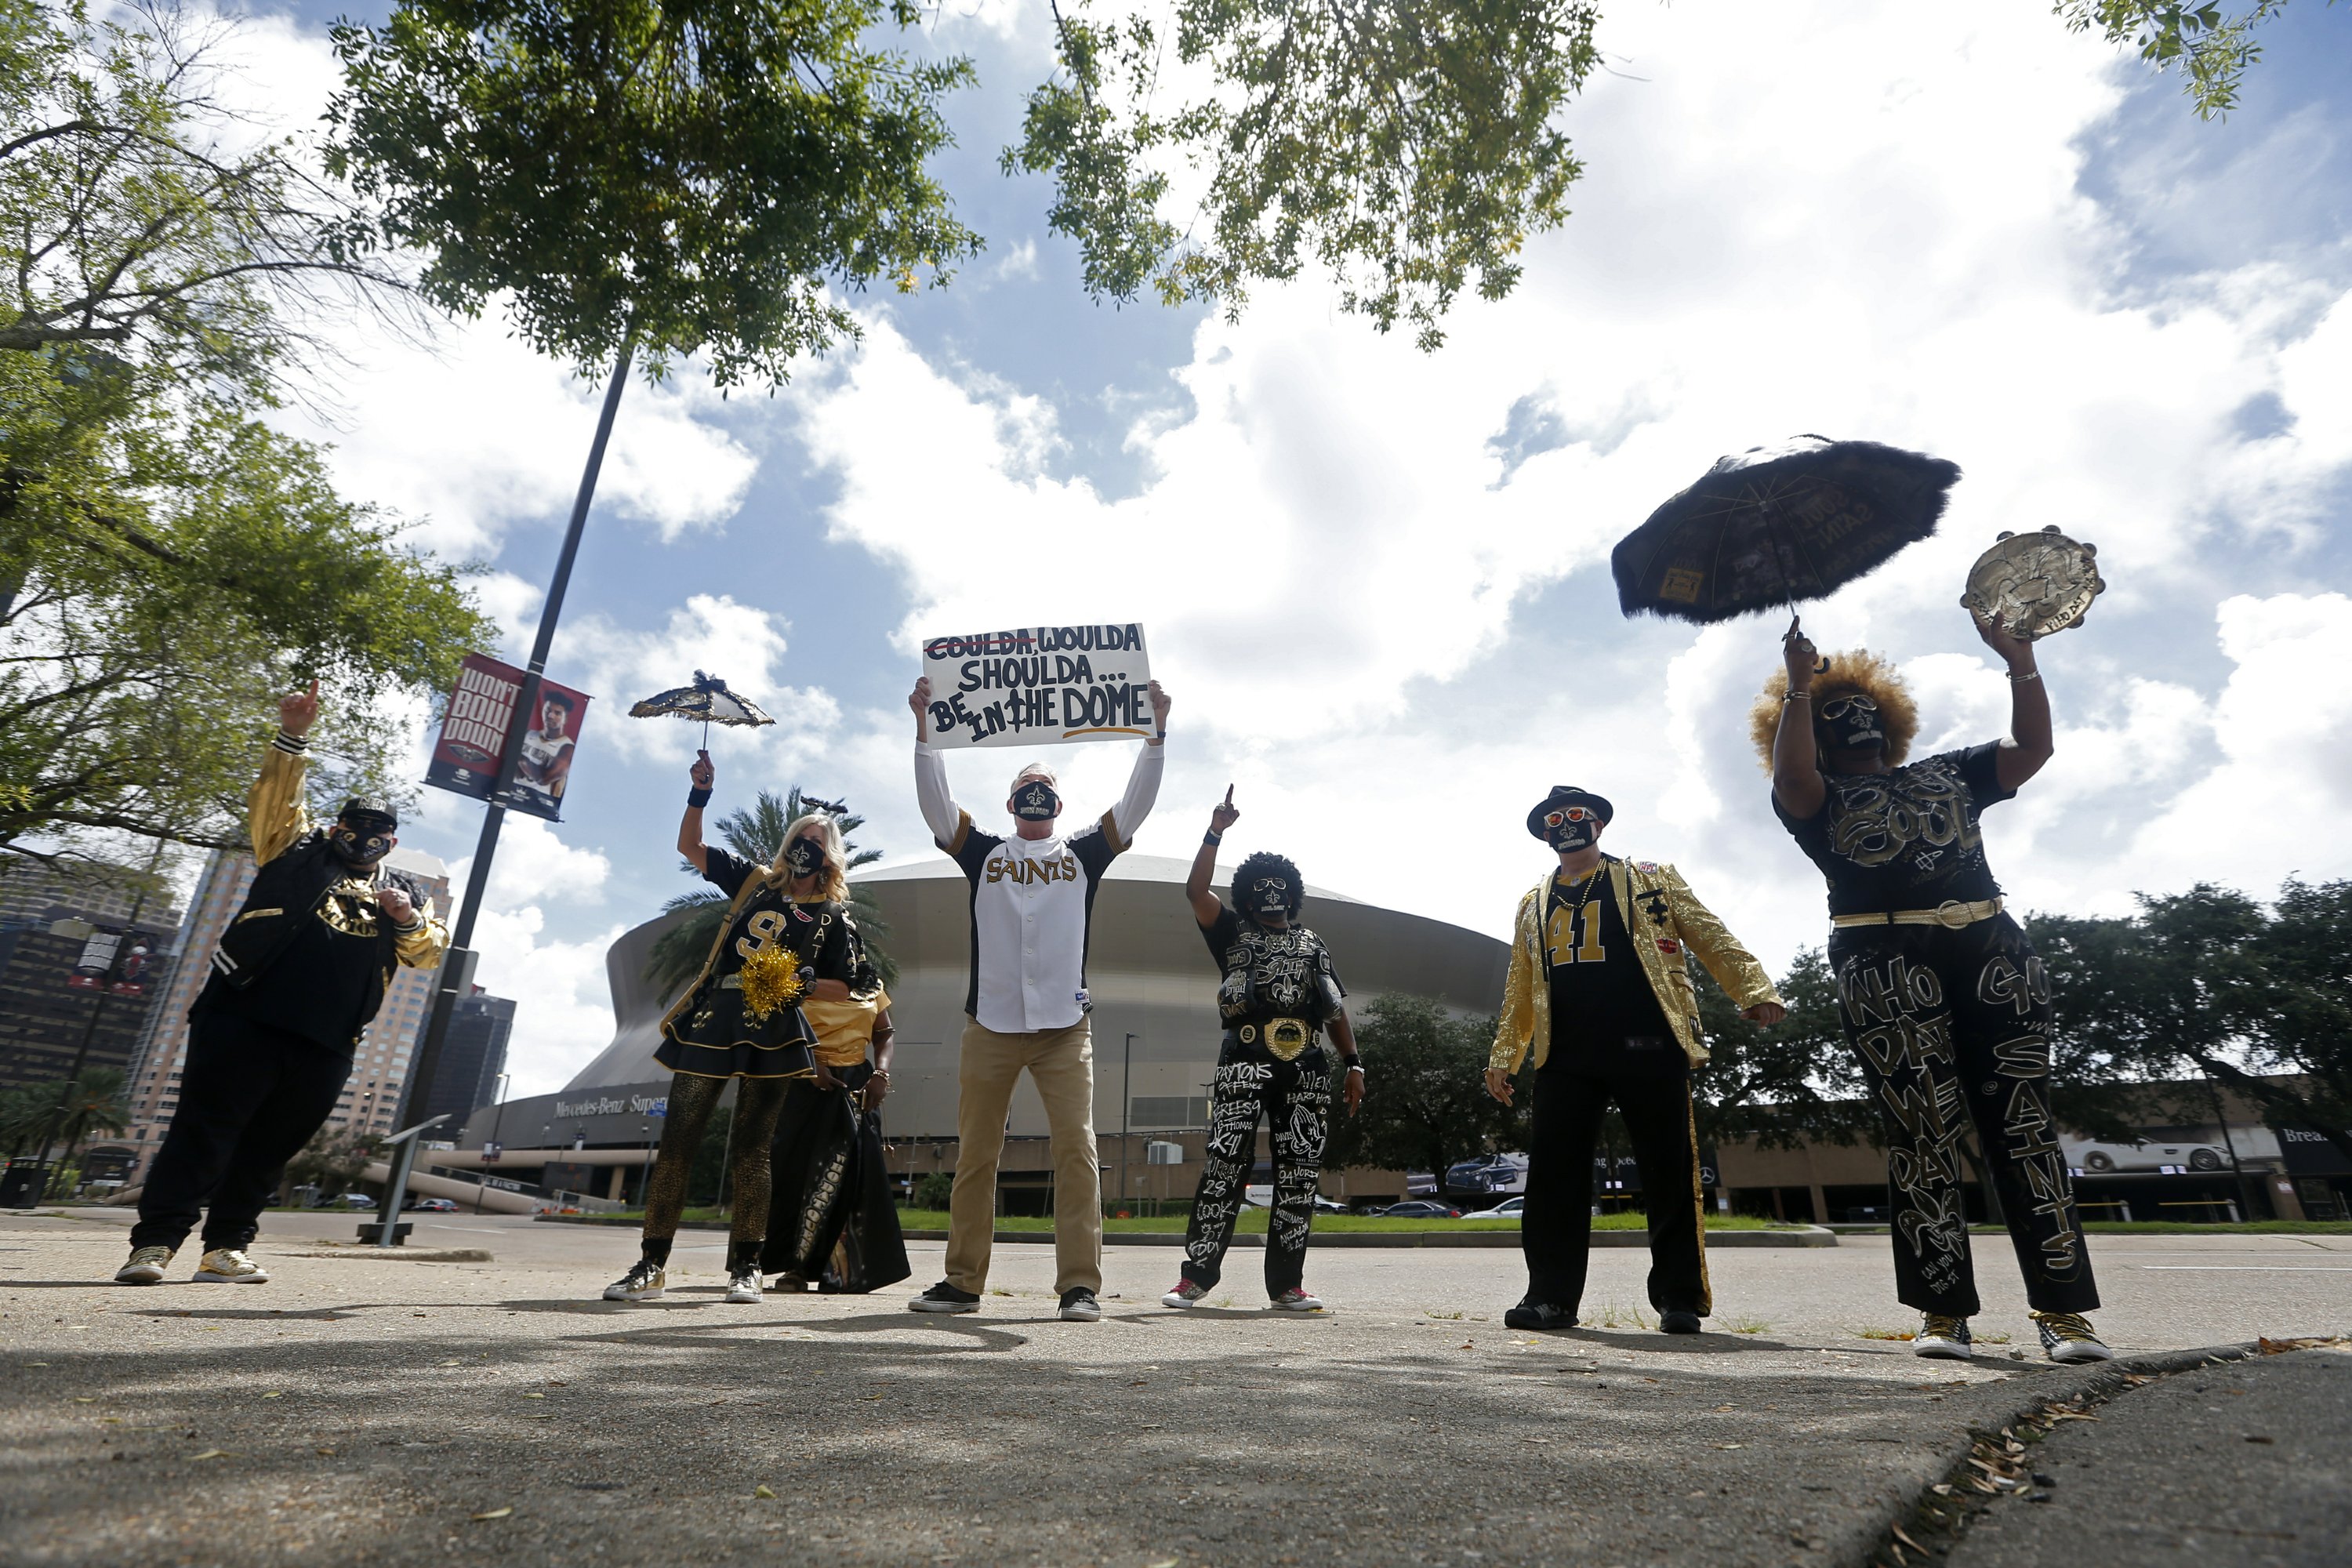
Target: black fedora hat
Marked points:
1567	794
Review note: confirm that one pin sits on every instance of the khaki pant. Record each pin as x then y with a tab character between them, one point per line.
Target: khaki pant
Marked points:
1061	1062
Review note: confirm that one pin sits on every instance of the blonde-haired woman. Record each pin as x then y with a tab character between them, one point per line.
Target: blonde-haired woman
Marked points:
786	940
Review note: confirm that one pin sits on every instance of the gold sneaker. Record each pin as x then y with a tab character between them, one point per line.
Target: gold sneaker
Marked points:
146	1266
642	1283
230	1265
2066	1338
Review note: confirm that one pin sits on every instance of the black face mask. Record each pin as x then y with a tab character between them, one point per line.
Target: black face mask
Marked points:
1271	895
1035	800
1850	722
358	842
805	856
1571	828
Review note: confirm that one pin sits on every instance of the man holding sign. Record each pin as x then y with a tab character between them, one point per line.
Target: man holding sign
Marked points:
1033	896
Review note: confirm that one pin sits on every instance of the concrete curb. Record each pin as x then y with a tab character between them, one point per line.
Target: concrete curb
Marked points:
2102	1382
1803	1236
405	1254
1809	1236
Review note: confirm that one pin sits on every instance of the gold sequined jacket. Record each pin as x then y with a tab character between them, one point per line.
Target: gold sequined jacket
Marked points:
1667	924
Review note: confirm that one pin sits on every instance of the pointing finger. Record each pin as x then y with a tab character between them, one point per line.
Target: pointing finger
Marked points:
1229	795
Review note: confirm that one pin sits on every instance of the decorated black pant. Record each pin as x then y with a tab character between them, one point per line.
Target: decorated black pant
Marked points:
1649	1079
1295	1097
1953	1026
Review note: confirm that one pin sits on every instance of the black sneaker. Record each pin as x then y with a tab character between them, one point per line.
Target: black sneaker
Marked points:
1079	1305
944	1298
1678	1323
1539	1316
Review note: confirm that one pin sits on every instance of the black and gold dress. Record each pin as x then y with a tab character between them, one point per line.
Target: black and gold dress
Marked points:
742	1017
741	1026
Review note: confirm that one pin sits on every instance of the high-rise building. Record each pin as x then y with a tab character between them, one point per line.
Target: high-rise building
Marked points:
473	1056
84	954
371	1097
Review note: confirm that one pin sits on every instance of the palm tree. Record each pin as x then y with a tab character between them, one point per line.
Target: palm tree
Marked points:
91	1103
757	835
26	1113
65	1110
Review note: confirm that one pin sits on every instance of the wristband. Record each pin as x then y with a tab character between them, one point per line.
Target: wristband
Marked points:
2017	680
1353	1064
697	798
1798	697
1212	837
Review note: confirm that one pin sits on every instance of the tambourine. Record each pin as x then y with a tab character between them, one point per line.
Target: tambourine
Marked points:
2030	584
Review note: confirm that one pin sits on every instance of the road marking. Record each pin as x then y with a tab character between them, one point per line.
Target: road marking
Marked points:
2240	1269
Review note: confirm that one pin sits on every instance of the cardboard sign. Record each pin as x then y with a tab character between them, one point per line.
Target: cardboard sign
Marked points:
1038	684
474	736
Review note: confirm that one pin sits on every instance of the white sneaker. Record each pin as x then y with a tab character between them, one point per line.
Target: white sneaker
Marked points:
1184	1294
1941	1338
743	1291
146	1266
1296	1300
228	1266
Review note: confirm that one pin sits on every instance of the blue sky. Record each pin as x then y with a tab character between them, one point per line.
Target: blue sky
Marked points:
1377	581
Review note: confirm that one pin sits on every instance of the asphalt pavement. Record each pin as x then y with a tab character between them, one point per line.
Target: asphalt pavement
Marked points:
367	1410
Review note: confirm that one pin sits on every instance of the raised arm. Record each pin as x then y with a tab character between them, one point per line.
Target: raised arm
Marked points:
2030	742
941	813
1143	783
690	826
274	811
1796	781
1205	907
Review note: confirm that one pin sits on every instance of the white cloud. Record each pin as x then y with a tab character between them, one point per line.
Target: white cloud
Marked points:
1846	243
482	432
2281	781
712	632
564	1011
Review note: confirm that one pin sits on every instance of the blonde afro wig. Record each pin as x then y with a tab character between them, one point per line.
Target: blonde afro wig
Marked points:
1855	669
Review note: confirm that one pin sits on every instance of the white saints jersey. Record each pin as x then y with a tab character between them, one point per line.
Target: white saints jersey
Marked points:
1032	899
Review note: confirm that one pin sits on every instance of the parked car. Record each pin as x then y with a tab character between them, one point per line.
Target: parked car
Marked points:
1489	1174
433	1206
2100	1158
356	1201
1509	1208
1422	1208
1330	1205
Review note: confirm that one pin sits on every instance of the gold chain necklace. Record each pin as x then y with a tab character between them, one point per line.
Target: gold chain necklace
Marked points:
1591	881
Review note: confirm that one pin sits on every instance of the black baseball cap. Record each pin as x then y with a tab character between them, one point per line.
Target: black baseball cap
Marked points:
371	805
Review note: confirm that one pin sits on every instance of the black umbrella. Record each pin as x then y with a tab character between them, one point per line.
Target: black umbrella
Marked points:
707	700
1777	525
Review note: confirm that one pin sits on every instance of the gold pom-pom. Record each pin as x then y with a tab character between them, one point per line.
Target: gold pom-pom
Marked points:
772	978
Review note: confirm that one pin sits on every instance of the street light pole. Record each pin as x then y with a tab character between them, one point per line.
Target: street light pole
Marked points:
1125	1111
456	964
498	1115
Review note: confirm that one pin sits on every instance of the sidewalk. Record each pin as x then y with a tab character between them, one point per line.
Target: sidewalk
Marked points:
363	1410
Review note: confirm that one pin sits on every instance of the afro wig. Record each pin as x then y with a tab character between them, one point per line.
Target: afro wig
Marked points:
1856	669
1266	864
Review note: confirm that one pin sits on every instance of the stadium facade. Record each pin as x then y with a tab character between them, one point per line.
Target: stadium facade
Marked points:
1152	983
